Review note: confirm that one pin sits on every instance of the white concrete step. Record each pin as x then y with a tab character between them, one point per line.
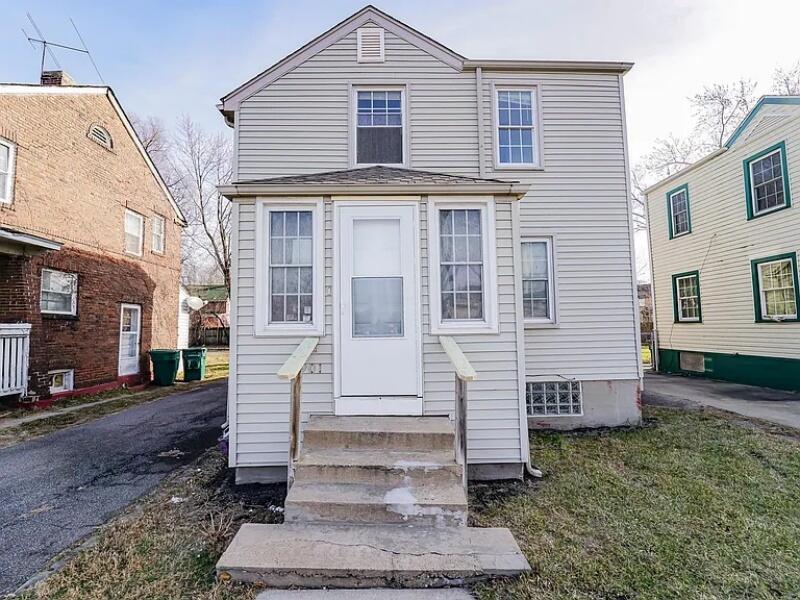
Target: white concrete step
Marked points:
387	433
434	503
314	555
377	466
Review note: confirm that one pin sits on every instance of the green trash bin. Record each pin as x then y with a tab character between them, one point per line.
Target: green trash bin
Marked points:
194	364
165	366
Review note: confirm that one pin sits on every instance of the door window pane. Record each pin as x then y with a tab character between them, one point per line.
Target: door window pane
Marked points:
461	264
377	306
291	270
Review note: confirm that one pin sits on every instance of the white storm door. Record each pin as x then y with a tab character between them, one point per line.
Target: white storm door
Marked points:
379	310
130	330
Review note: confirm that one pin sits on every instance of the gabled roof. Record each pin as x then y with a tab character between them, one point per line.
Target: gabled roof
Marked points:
749	120
33	89
368	14
375	180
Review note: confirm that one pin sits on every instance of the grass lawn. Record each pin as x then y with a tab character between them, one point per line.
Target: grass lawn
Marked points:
691	505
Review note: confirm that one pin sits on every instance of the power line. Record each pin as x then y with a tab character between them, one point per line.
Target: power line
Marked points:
86	48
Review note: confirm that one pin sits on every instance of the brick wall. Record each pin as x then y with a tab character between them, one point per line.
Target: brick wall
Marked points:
72	190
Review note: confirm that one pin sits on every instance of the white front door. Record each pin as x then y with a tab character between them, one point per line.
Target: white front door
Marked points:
130	329
378	348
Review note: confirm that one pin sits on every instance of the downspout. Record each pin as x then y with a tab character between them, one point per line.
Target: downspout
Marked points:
479	100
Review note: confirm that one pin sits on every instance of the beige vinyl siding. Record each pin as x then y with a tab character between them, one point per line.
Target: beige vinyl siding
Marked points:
494	428
722	244
580	199
300	123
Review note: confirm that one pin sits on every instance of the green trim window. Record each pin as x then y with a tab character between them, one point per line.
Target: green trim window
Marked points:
775	290
680	218
766	181
686	297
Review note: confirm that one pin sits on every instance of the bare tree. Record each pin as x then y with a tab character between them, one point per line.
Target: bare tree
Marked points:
787	81
203	161
719	109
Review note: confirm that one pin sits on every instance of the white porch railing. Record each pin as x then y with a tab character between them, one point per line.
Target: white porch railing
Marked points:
14	352
464	374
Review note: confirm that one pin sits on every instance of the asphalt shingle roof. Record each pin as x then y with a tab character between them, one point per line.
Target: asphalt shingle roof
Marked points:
374	176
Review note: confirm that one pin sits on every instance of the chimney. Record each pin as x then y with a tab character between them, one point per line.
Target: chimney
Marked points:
57	78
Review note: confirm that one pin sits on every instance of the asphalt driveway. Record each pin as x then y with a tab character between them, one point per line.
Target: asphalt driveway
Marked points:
774	406
57	489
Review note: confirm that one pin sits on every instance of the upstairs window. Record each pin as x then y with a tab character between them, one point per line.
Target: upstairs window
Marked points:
537	280
680	222
517	128
775	288
158	234
379	127
766	181
134	232
59	293
6	170
686	297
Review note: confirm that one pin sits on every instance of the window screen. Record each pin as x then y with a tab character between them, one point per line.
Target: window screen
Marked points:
379	130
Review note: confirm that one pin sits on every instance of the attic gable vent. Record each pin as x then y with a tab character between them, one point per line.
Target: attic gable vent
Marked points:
370	44
100	135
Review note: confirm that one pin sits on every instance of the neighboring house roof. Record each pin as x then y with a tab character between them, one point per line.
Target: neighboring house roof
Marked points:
751	119
369	14
34	89
374	179
213	292
211	321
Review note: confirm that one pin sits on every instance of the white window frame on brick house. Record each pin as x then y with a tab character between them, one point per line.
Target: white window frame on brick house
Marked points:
158	241
537	161
73	294
7	190
263	298
67	380
489	322
139	233
552	306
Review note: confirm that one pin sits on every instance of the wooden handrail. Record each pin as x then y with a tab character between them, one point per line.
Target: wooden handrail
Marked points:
464	374
292	370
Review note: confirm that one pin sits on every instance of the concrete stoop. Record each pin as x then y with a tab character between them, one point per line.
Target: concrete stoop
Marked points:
376	502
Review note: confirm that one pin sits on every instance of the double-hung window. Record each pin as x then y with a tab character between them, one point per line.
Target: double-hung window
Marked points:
775	288
766	181
6	170
134	232
680	221
59	293
462	263
686	297
517	129
159	234
290	269
379	136
538	294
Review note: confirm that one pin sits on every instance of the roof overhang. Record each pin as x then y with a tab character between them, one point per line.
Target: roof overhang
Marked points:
19	243
574	66
253	190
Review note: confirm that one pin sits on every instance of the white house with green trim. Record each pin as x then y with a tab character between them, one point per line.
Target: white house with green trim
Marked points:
724	239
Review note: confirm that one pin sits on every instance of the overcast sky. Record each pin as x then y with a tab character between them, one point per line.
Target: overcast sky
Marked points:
168	58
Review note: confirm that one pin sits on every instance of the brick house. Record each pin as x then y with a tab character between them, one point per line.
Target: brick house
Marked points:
89	243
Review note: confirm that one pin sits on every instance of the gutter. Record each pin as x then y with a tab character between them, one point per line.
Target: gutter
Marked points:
550	65
251	190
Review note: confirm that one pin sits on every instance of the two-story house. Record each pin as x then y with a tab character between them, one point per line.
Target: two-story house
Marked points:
402	205
89	243
724	239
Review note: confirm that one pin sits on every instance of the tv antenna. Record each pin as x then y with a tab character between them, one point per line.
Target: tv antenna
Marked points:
47	46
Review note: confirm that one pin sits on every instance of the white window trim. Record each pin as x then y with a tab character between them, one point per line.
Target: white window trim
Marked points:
490	322
354	89
672	214
359	34
69	380
681	318
125	232
755	211
552	294
538	162
263	328
763	293
163	238
73	300
8	193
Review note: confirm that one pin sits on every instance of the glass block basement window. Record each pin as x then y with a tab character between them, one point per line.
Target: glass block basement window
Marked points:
554	398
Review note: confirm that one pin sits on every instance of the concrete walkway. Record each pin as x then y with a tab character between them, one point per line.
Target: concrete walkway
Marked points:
774	406
56	489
